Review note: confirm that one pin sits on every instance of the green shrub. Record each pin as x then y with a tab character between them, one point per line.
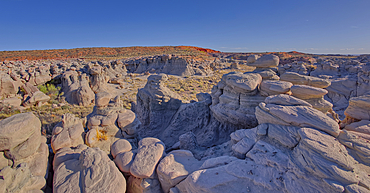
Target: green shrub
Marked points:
43	88
50	90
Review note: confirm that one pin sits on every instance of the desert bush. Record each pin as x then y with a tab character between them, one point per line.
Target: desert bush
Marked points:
50	90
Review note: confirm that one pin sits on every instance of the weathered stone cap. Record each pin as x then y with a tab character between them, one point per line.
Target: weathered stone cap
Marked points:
17	129
266	61
359	107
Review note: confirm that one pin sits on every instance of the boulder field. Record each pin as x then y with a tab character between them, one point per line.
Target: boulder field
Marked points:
280	128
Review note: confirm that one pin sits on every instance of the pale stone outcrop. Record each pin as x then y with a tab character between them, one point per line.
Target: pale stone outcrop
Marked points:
124	160
14	101
266	66
288	157
168	64
301	116
120	146
307	92
20	179
359	107
313	95
340	90
299	67
128	122
298	79
150	151
98	80
39	75
362	126
285	135
36	98
252	58
165	117
266	61
324	156
175	167
273	87
244	140
235	97
76	88
110	122
8	86
139	165
310	89
86	170
68	133
24	154
358	142
236	176
356	132
287	100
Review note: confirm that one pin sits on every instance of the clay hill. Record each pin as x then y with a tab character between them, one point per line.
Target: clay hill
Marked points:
101	53
183	120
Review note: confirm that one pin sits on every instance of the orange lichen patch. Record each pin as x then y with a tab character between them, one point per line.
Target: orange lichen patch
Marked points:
101	135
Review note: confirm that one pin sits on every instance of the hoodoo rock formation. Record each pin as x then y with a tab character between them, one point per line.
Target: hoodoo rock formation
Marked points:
235	97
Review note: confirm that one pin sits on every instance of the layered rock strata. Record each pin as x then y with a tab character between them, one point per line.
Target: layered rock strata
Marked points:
285	153
266	66
310	89
235	97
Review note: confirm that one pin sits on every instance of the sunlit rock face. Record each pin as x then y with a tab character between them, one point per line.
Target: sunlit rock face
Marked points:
76	88
235	97
84	169
110	122
23	154
310	89
295	147
266	66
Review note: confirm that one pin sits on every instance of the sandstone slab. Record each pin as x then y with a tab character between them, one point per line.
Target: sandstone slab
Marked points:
88	171
300	116
298	79
17	129
266	61
175	167
307	92
359	107
150	151
270	87
120	146
68	133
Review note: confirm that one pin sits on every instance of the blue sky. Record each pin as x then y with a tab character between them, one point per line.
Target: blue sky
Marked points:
313	26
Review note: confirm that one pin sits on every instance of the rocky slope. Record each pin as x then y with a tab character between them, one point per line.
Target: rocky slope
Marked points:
283	127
